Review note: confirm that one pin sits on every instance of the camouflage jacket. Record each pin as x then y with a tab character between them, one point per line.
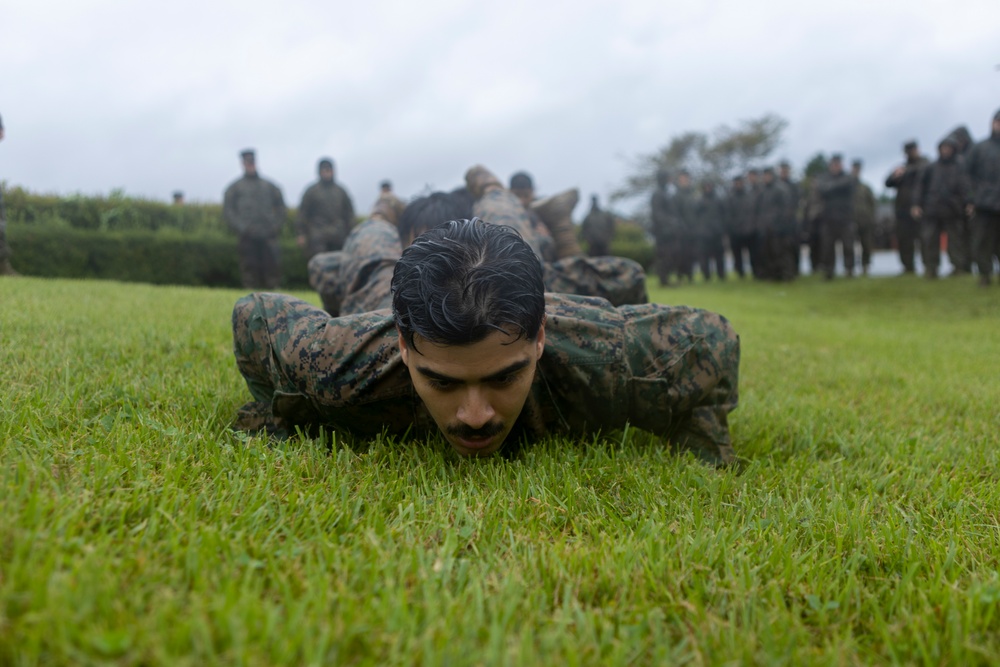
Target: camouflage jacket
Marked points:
672	371
863	206
836	193
904	184
598	227
983	164
663	216
254	207
325	206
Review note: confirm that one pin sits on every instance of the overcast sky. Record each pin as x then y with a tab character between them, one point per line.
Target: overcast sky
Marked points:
157	96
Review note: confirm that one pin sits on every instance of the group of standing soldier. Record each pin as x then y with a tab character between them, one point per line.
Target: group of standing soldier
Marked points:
956	197
254	209
764	221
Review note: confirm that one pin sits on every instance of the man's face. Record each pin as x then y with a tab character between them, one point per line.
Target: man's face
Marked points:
474	392
785	173
946	151
683	181
855	171
249	167
326	173
912	153
836	167
526	195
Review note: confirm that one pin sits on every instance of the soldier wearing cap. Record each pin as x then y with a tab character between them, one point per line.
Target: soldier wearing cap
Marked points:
795	194
983	165
903	178
254	208
598	229
5	268
863	212
836	192
326	214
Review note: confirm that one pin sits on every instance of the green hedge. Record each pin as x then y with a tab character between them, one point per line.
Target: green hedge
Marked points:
116	212
162	258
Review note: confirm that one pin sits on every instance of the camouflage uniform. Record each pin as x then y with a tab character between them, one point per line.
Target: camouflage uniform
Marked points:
672	371
863	211
253	208
907	229
618	279
665	233
598	229
795	202
325	217
983	165
713	220
775	231
741	232
5	267
942	191
836	192
685	207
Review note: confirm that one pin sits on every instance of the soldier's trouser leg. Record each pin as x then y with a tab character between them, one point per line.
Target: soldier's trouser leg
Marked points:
663	267
930	233
907	235
986	239
866	235
846	235
828	244
618	279
815	248
736	246
959	250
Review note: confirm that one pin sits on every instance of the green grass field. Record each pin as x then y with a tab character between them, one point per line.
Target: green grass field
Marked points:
862	526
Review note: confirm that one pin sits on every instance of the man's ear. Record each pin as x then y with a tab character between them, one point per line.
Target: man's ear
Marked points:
404	351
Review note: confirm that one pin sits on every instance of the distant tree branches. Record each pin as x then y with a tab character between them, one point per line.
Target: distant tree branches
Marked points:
728	151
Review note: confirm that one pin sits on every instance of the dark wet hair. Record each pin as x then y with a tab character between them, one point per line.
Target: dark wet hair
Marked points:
428	212
460	282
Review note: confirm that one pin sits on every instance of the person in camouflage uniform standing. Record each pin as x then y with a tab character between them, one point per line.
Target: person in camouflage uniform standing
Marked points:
740	225
983	166
712	213
326	214
903	179
598	229
863	211
795	195
836	192
940	195
5	268
663	220
775	228
473	349
685	208
254	208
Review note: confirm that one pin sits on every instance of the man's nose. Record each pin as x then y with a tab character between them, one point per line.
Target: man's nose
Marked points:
475	410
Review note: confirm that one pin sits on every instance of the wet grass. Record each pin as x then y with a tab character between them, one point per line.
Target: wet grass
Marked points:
862	526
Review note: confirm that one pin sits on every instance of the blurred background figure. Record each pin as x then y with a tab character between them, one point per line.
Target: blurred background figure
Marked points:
903	179
598	229
326	214
255	210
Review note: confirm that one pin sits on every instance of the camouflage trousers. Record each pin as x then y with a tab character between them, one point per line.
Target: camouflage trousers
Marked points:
260	262
672	371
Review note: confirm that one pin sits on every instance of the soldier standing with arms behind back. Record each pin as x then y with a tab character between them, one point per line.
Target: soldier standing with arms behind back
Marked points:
903	178
983	164
326	214
836	192
598	229
5	268
863	208
254	208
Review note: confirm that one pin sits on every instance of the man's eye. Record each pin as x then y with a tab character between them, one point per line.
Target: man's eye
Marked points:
503	381
441	385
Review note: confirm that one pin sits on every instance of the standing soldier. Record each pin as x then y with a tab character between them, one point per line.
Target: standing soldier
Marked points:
775	223
598	229
903	178
863	208
836	192
983	164
795	202
940	195
5	268
664	227
753	204
254	209
687	221
713	221
740	224
326	214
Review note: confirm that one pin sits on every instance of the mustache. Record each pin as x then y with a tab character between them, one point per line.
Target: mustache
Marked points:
466	432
